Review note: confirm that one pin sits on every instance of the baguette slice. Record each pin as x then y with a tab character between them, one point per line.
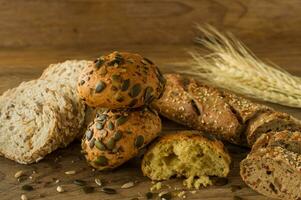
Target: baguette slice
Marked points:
273	168
35	120
188	154
66	74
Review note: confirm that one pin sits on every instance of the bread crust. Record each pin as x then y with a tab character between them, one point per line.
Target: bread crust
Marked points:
117	136
278	155
120	80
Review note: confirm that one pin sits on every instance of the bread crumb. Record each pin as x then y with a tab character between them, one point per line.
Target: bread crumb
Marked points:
60	189
24	197
182	195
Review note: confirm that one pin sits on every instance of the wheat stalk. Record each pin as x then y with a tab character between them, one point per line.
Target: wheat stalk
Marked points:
232	66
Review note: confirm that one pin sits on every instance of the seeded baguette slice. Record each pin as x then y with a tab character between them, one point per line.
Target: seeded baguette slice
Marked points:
205	108
270	122
189	154
116	136
273	168
66	74
35	121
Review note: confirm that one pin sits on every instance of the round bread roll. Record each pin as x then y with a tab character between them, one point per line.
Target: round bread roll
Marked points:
120	80
117	136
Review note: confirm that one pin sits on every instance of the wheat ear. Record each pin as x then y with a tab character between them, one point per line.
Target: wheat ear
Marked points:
232	66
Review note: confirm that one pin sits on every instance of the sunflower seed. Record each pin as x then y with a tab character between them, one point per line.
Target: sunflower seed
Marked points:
18	174
135	90
121	120
100	87
99	145
27	187
125	85
128	185
60	189
70	172
139	141
101	160
108	190
79	182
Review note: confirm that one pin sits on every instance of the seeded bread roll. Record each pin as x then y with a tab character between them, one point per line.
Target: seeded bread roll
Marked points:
117	136
120	80
273	168
189	154
227	116
35	120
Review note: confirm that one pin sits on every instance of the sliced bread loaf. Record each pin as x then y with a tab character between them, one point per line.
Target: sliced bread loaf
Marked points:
35	120
273	168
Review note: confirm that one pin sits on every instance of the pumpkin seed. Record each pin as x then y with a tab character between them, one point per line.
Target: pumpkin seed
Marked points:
121	120
102	117
148	94
99	126
89	134
100	87
118	135
88	189
27	187
135	90
101	160
99	145
116	78
98	63
103	71
79	182
111	144
125	85
108	190
139	141
92	143
111	125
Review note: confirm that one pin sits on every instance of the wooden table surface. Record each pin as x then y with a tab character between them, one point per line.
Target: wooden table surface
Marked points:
36	33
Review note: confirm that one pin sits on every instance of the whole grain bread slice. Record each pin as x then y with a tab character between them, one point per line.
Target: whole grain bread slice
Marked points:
273	168
35	120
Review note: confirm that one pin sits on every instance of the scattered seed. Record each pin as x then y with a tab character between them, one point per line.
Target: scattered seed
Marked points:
128	185
101	160
220	181
135	90
149	195
70	172
89	134
60	189
118	135
125	85
108	190
24	197
111	144
99	145
234	188
121	120
98	182
79	182
100	87
111	125
18	174
99	126
88	189
139	141
92	143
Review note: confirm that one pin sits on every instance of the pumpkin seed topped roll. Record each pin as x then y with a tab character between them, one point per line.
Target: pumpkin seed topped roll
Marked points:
120	80
117	136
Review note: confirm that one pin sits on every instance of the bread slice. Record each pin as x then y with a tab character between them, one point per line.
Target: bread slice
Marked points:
270	122
35	120
273	168
189	154
66	74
